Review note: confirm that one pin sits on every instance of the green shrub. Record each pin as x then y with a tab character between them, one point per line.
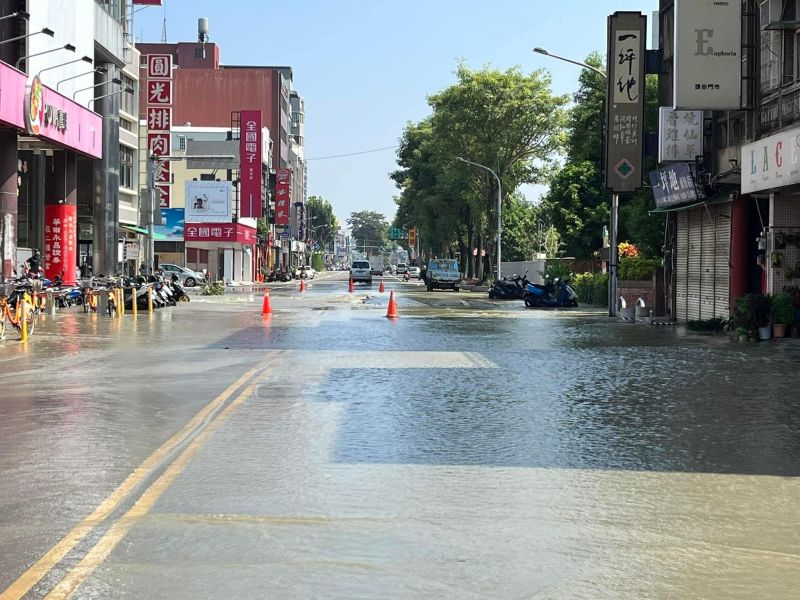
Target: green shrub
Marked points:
782	309
715	324
637	269
317	261
591	288
213	289
556	269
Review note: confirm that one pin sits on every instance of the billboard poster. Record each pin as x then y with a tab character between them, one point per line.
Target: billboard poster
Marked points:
283	195
250	168
60	241
209	201
625	101
172	225
708	62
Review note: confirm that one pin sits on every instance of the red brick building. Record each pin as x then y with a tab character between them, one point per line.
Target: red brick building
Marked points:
205	93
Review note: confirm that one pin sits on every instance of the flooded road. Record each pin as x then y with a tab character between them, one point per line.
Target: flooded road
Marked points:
467	450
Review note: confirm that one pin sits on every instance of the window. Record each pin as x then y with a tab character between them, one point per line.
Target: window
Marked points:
126	167
181	142
128	101
198	53
125	124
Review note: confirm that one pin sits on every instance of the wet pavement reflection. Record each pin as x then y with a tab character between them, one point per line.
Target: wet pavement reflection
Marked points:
459	452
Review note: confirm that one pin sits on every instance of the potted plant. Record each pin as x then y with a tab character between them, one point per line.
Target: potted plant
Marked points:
761	309
782	313
741	322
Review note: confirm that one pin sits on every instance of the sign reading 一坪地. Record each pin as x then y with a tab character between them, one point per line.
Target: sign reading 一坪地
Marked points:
625	101
674	185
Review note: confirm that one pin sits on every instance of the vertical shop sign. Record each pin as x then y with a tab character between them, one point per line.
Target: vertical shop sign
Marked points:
283	196
625	101
251	194
60	244
159	121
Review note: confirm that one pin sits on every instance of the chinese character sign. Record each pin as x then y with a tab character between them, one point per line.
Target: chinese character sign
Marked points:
159	66
283	195
250	168
219	232
680	134
60	241
674	185
625	101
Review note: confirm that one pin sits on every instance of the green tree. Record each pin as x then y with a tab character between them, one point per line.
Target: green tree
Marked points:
506	120
577	202
323	220
369	230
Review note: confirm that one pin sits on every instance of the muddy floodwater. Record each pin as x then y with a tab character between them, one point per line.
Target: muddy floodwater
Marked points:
465	450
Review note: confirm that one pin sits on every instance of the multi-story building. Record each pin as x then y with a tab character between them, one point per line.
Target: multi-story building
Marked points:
206	93
66	66
742	187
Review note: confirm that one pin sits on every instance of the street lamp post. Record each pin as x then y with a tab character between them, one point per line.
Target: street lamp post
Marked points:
499	210
613	259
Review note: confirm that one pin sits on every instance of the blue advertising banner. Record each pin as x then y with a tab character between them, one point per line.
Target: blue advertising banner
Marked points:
675	185
172	229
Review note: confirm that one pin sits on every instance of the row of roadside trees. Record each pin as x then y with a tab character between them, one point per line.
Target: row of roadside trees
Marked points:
512	123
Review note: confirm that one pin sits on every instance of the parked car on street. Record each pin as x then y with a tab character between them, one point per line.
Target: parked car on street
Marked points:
401	268
443	274
414	272
360	271
187	277
309	272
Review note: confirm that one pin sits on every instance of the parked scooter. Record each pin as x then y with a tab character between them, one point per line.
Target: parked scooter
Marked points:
509	288
551	295
178	293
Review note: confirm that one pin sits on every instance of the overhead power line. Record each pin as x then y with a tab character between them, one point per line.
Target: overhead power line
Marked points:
352	153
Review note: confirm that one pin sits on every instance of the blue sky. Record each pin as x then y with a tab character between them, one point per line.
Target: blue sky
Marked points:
365	67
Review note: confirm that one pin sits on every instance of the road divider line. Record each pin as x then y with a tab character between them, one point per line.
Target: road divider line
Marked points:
23	584
117	532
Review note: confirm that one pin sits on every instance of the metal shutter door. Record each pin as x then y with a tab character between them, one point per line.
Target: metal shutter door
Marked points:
722	263
694	257
681	264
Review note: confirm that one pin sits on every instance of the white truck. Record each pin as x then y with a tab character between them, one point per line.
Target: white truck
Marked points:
443	274
376	265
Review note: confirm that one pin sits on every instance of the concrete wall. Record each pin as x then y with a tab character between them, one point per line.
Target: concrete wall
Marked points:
534	267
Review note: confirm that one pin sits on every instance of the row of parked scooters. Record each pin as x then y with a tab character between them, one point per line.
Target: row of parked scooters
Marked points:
165	293
552	294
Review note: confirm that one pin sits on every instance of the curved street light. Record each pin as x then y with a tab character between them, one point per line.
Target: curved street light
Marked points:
44	30
116	80
499	209
127	90
614	219
86	59
95	70
68	47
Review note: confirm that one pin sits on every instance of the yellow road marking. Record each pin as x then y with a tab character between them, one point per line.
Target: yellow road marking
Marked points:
52	557
98	554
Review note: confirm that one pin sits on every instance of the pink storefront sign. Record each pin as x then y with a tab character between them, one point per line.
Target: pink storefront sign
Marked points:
12	96
219	232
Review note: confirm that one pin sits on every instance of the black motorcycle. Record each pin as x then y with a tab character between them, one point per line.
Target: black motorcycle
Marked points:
509	288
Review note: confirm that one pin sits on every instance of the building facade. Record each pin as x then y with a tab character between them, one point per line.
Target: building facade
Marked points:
63	68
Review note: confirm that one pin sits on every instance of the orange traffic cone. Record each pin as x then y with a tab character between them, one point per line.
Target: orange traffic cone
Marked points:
266	307
351	287
302	285
391	313
381	289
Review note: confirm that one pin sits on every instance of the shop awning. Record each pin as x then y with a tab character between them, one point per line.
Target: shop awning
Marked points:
143	231
715	199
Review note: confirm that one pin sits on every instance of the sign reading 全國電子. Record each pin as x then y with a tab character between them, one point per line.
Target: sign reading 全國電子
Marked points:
251	171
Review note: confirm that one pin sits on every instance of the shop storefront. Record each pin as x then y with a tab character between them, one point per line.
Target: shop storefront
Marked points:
43	135
771	178
227	250
700	264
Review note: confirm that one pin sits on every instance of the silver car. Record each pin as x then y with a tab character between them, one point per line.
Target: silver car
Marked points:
187	277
